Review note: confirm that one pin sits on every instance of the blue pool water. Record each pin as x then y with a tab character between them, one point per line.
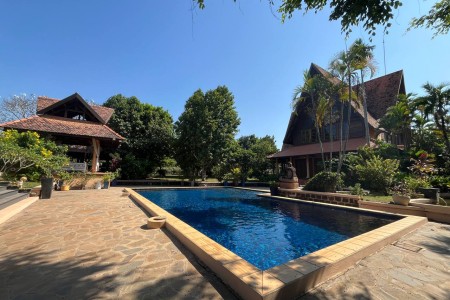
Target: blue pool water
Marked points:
263	231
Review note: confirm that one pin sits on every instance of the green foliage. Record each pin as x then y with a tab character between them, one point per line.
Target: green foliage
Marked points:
436	104
148	131
437	18
324	182
357	190
26	153
375	173
351	13
441	182
398	118
205	130
401	189
415	183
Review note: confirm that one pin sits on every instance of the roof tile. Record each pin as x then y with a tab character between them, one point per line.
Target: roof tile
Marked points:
53	124
104	112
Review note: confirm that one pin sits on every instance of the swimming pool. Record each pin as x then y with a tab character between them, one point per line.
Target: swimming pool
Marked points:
265	232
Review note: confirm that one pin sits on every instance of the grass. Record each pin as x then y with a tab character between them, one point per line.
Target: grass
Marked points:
30	184
378	198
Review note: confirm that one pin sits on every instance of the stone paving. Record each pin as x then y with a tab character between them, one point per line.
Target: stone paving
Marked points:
415	267
93	245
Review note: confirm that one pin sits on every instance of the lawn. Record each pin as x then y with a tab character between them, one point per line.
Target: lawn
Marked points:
378	198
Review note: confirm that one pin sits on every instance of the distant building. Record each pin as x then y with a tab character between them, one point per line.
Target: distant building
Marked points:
74	122
300	144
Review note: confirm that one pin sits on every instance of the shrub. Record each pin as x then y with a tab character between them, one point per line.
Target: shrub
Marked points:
441	182
414	183
324	182
376	173
357	190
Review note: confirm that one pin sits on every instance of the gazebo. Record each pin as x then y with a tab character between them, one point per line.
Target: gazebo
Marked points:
76	123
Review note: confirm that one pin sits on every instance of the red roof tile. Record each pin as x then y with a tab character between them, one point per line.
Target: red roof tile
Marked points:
104	112
382	93
58	125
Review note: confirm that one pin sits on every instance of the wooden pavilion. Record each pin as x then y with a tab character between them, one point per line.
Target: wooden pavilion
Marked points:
73	122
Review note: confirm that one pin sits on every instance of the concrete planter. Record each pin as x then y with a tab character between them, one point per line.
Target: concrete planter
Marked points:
401	200
156	222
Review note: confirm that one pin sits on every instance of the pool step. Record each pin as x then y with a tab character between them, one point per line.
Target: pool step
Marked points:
9	197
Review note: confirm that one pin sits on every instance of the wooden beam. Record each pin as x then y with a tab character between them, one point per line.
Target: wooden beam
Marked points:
95	154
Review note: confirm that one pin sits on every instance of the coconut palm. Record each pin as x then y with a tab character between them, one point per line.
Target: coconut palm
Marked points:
437	104
398	118
361	56
342	68
315	88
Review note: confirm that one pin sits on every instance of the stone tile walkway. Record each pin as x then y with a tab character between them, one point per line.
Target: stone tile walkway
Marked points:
415	267
92	244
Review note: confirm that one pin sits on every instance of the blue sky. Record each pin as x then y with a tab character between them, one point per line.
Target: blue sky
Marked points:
161	52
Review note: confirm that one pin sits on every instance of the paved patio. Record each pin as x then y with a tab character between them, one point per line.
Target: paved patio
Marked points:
93	244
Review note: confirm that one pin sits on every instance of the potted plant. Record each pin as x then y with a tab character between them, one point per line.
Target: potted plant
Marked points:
98	185
401	194
108	177
67	179
273	185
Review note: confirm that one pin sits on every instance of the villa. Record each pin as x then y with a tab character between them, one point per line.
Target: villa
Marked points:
301	145
76	123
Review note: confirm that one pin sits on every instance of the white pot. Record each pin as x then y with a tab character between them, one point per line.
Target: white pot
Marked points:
98	185
401	200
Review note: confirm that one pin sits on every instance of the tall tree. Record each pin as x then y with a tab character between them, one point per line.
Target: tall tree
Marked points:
148	131
342	68
315	94
398	118
437	104
17	107
361	56
437	18
205	130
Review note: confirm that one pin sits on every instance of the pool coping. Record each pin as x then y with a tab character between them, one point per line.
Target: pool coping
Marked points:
290	279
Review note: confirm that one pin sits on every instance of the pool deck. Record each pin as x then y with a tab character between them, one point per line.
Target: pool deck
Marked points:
92	244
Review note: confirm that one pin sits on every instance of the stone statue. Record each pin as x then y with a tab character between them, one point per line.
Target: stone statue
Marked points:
288	178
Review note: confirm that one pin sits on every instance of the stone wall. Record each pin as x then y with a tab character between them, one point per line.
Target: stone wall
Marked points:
332	198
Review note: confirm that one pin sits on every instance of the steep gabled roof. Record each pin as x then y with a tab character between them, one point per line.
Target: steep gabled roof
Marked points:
59	125
381	93
103	113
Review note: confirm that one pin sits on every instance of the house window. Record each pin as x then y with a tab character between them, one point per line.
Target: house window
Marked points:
356	129
305	136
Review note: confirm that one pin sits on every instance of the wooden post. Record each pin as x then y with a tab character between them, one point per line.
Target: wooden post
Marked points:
307	166
95	154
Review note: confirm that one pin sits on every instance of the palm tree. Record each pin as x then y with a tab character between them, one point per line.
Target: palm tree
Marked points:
398	118
362	59
314	88
437	104
342	68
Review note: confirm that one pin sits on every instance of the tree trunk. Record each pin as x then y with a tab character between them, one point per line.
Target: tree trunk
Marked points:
331	138
366	120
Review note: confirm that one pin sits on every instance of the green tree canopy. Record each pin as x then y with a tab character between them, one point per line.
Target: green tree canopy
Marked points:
205	130
21	152
148	131
438	18
369	13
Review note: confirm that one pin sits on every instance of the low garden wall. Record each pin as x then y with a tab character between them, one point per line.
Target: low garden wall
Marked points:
433	212
332	198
